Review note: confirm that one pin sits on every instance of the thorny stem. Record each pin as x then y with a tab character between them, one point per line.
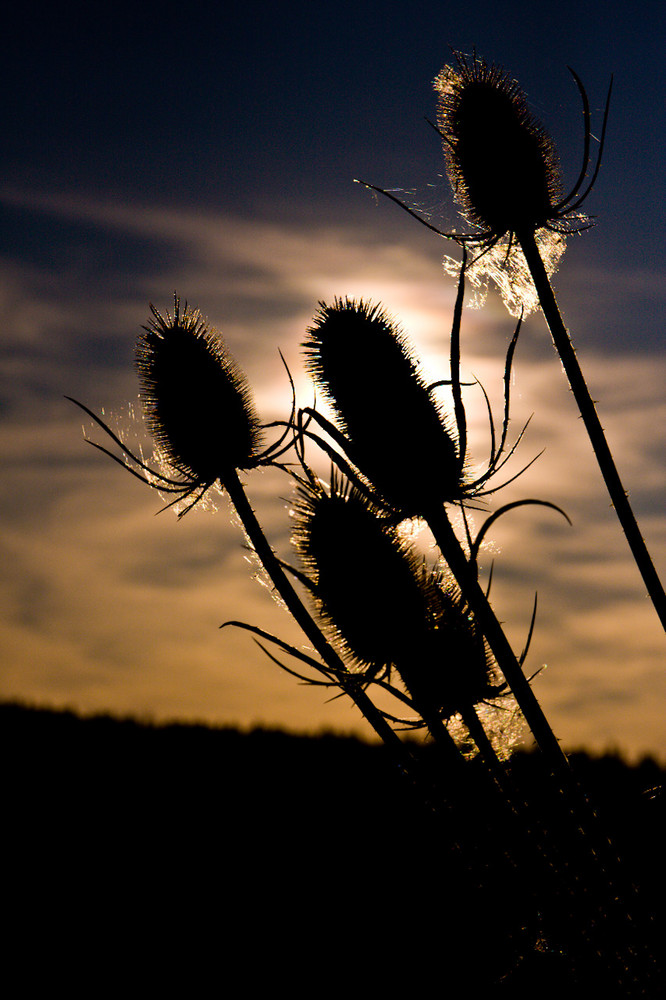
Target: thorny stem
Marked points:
483	743
446	745
598	850
465	576
585	403
303	619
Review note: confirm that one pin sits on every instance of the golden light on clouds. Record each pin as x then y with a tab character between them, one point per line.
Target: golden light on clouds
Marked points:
107	607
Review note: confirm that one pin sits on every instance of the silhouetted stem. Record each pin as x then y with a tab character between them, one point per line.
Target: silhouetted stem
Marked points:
401	757
592	860
305	621
484	615
484	746
451	755
596	868
618	495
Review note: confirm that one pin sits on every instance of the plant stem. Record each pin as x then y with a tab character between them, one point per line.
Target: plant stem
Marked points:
305	621
585	403
466	578
401	756
595	868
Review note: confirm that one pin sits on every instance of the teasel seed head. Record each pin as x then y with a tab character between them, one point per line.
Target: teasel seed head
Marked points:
384	607
395	433
363	575
501	162
197	403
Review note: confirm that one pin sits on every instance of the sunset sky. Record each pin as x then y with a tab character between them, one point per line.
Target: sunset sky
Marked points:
155	147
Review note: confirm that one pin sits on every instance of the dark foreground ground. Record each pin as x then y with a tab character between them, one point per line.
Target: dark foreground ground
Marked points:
220	862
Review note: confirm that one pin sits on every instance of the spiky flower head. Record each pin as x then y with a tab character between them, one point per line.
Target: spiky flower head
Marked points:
504	170
363	575
386	609
196	401
501	162
395	432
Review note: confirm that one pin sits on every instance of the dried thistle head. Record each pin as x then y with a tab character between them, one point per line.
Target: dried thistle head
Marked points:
501	162
198	408
386	609
363	575
392	428
504	170
196	401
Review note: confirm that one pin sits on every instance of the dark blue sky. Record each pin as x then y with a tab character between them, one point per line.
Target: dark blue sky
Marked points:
273	108
270	110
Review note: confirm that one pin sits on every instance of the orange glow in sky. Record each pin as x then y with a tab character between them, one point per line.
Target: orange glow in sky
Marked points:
231	182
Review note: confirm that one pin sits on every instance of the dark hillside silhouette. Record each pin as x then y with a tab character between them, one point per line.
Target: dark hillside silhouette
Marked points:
151	822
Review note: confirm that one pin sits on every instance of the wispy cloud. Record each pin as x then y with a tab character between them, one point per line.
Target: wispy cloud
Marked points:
108	607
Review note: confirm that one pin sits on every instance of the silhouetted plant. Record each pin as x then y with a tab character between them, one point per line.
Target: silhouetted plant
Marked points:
502	165
386	622
406	457
386	607
388	421
199	408
197	403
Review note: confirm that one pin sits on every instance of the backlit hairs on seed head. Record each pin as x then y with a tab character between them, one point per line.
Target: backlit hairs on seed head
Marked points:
384	607
502	163
504	170
395	432
196	401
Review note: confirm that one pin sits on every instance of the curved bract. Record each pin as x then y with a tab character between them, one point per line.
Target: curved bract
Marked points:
198	408
388	421
502	163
